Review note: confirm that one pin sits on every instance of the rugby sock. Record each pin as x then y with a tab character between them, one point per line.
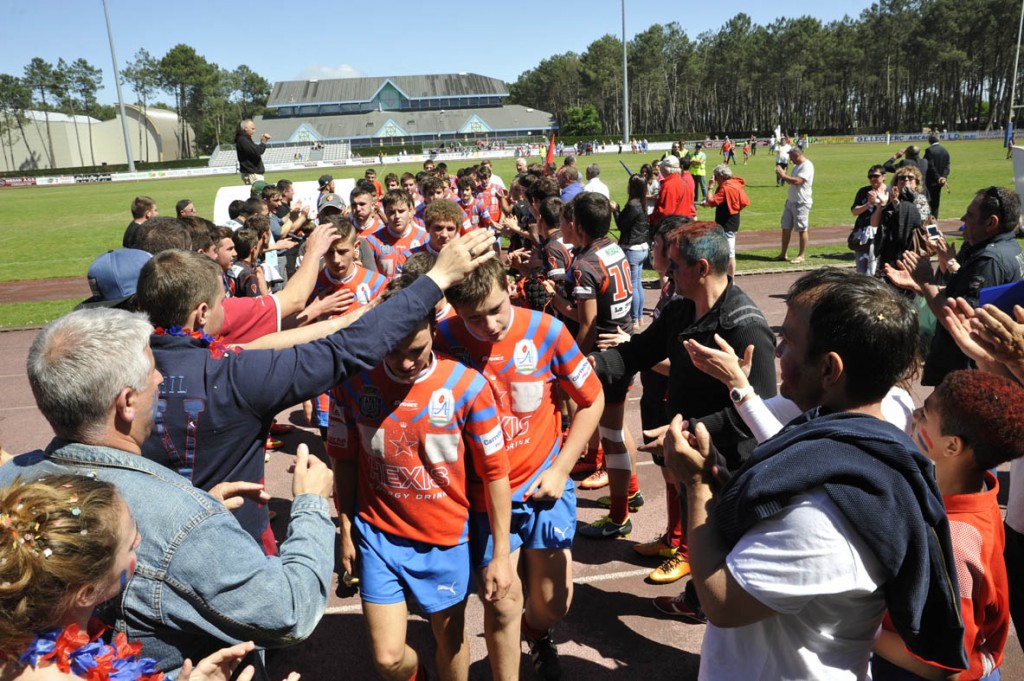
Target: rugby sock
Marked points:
620	508
674	533
420	674
529	632
634	485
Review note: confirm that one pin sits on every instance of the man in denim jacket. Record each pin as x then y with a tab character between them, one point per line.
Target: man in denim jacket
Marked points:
201	581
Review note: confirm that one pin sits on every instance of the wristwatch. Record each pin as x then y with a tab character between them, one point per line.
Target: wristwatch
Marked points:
737	395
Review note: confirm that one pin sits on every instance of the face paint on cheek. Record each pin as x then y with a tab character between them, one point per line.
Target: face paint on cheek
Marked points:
923	440
127	574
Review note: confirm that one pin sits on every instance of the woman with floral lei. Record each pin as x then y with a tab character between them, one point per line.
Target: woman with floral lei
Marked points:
67	545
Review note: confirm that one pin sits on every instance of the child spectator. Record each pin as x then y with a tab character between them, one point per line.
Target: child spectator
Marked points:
970	424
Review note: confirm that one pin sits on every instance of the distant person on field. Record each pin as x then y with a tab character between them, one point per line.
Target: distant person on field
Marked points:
250	154
936	173
796	214
729	199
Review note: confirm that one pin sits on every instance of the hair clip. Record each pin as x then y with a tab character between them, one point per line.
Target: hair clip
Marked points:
47	553
84	532
76	511
881	317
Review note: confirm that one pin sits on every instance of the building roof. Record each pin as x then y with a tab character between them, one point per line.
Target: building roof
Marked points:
342	90
58	117
383	124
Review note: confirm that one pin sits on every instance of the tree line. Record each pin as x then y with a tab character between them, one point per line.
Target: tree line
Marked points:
209	98
901	65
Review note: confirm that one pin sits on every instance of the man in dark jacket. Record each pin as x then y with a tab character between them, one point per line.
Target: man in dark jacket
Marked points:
250	154
711	305
936	173
832	522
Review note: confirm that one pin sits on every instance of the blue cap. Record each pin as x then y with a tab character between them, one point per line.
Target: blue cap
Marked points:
114	275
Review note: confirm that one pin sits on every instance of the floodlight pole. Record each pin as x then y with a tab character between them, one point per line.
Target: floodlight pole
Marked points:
1016	61
120	96
626	84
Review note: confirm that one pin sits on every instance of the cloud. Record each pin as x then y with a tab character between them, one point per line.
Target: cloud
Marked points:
320	72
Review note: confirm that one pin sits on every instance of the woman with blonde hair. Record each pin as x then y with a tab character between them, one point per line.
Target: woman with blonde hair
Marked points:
67	545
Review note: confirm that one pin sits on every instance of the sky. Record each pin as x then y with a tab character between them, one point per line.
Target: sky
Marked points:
410	38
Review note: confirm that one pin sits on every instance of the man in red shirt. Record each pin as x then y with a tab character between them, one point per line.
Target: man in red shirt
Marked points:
676	195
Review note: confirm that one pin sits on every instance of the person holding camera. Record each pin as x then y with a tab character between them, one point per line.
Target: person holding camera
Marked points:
900	217
866	203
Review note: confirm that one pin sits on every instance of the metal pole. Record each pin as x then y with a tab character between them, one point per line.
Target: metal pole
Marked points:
1016	60
120	96
626	84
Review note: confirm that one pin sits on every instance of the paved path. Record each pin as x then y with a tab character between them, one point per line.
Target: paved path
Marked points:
612	632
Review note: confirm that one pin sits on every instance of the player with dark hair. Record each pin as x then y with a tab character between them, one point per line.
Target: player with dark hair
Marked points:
599	284
404	437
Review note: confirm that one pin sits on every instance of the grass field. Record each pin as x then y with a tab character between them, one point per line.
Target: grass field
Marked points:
49	232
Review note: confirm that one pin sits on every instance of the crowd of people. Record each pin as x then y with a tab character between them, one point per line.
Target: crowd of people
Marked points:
465	346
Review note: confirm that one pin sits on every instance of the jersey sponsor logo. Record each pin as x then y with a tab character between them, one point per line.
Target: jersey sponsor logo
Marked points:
419	478
442	407
363	294
337	434
385	249
525	357
493	441
620	309
515	426
370	402
581	374
610	254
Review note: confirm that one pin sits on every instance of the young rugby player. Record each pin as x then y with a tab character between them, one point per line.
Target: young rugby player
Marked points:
392	243
526	356
402	435
602	298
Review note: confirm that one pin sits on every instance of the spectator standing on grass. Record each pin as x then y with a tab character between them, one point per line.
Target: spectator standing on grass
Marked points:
796	214
911	156
782	159
936	173
729	199
673	197
868	200
698	168
250	154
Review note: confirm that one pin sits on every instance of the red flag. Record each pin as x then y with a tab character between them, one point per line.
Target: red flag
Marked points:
550	158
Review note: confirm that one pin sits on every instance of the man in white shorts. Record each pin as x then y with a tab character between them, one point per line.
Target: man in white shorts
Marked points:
798	204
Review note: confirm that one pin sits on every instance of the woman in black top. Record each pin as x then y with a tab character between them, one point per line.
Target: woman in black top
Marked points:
634	237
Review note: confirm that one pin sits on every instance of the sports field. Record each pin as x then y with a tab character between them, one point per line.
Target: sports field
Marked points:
51	232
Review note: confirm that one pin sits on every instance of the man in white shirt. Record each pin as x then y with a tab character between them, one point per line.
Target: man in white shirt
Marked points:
796	214
594	183
831	522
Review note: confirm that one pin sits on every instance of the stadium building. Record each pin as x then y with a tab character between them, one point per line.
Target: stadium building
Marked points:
418	111
77	141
